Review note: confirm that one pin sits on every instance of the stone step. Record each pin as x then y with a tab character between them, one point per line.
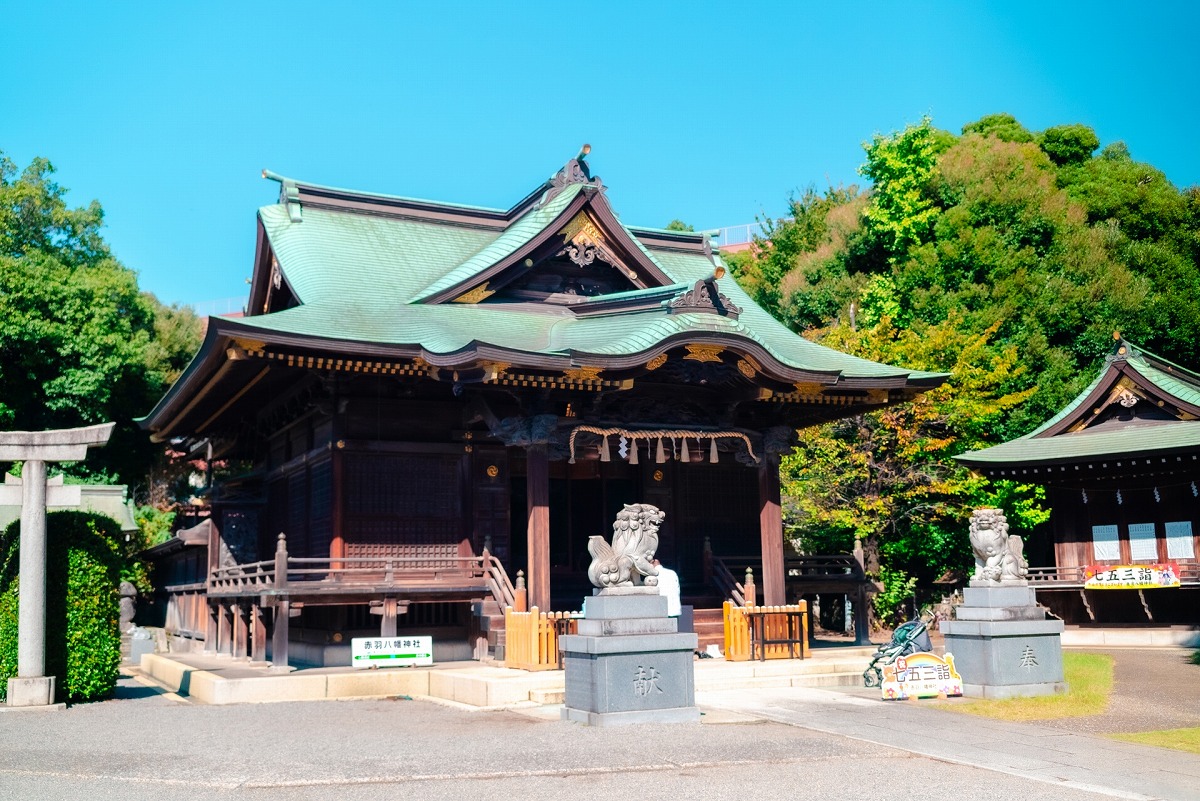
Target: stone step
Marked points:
547	697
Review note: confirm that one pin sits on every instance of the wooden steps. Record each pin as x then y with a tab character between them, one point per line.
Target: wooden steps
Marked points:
709	625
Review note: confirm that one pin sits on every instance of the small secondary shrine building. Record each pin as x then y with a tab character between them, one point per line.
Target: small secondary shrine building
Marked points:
1121	467
427	398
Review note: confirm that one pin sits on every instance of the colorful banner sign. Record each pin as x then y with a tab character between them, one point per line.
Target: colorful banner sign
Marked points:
1131	577
920	676
369	652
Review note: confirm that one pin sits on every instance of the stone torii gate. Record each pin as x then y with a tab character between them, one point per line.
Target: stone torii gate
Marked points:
31	687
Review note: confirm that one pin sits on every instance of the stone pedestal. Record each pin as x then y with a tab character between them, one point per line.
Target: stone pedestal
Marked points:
629	663
33	691
1003	645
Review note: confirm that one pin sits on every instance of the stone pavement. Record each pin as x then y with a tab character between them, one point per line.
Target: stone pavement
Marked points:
758	739
147	746
1061	758
1154	688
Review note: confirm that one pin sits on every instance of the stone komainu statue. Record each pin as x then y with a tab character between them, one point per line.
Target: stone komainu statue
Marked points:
629	560
999	556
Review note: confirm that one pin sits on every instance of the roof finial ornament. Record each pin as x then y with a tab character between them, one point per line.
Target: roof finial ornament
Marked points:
708	251
575	171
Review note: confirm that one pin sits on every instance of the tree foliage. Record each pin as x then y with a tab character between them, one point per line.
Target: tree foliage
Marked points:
885	478
1021	253
902	167
79	343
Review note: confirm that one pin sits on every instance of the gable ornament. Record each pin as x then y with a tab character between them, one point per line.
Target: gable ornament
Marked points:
1126	398
705	297
575	171
583	243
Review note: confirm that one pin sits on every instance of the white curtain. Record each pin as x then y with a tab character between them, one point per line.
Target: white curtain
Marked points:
1104	544
1180	544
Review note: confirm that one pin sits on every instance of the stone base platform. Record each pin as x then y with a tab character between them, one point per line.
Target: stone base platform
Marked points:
31	693
1003	645
628	663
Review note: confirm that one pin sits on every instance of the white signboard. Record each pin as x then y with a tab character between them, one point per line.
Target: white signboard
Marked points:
368	652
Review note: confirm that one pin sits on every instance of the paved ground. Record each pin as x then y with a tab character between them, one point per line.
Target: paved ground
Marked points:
1156	688
153	748
762	744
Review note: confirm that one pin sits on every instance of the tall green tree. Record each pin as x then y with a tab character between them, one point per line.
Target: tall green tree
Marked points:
902	167
79	343
886	478
1002	242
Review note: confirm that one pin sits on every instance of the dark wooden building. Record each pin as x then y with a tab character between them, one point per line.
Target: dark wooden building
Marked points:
428	398
1121	467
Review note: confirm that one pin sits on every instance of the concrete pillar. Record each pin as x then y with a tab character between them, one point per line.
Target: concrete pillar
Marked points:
31	687
31	617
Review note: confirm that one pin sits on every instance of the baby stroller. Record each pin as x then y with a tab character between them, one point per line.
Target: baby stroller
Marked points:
909	638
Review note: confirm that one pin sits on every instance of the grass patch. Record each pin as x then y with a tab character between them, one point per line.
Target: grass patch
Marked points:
1179	739
1089	681
1195	658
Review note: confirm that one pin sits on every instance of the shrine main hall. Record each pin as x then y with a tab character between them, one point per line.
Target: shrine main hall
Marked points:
424	400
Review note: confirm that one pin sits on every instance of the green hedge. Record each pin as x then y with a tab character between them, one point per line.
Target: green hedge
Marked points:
83	574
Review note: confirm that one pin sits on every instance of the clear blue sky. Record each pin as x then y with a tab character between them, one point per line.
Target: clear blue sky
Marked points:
709	112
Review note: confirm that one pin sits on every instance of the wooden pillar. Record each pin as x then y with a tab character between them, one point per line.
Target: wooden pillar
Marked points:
862	622
770	521
279	634
222	629
258	635
212	635
241	633
337	543
387	626
537	482
214	551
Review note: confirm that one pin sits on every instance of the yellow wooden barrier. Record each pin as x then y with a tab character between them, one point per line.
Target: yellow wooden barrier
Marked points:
775	627
531	638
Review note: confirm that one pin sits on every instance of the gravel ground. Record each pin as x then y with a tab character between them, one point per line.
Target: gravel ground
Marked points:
1153	689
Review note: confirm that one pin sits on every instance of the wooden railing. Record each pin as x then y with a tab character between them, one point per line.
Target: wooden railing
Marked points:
729	586
766	632
498	582
287	574
822	566
187	611
531	638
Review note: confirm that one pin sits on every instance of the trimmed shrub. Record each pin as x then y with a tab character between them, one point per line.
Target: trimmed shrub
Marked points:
83	574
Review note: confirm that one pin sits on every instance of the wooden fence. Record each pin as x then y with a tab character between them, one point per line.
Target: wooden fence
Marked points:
766	632
531	638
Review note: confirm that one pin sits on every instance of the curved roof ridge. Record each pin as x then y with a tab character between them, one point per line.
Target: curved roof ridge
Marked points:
514	236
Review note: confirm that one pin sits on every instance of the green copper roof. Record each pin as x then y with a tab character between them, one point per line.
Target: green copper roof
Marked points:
1109	439
1134	440
362	277
363	260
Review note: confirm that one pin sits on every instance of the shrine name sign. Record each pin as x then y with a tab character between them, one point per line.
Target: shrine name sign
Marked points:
370	652
1131	577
